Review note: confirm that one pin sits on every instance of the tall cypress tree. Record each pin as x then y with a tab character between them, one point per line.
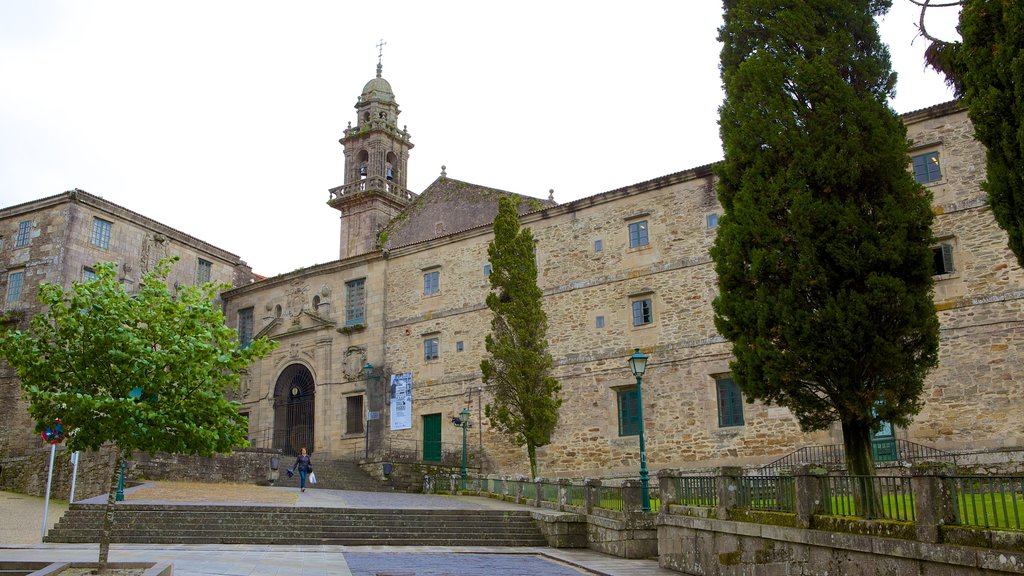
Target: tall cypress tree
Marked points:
987	71
823	254
526	400
991	64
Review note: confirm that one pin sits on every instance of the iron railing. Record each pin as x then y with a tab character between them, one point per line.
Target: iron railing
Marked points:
885	497
609	498
989	501
695	491
549	492
771	493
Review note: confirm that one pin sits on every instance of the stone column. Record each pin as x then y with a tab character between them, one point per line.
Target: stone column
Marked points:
563	493
592	494
631	499
727	489
807	480
667	487
933	499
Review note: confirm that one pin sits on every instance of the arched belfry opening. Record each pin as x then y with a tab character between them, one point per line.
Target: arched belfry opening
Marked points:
294	407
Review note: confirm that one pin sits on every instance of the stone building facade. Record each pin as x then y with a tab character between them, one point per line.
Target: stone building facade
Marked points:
59	240
620	270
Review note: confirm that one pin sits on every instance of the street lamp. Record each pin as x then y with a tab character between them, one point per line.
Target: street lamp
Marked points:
462	421
638	364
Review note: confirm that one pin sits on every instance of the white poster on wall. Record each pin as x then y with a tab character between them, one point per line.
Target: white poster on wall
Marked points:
401	401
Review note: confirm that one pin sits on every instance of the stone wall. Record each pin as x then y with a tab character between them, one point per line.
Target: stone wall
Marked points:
27	473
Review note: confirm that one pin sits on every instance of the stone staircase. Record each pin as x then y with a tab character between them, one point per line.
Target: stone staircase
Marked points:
334	475
208	524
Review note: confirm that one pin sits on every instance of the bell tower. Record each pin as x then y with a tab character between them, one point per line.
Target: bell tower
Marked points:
376	157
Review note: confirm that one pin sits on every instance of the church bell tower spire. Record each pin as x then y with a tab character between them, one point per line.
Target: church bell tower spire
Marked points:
376	156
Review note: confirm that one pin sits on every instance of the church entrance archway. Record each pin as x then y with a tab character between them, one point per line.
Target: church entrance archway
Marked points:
294	403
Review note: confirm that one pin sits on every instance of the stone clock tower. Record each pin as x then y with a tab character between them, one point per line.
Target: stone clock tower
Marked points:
376	160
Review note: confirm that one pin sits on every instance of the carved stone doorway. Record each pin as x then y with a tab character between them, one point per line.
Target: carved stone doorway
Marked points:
294	407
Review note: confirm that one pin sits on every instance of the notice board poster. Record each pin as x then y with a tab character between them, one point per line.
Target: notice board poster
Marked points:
401	401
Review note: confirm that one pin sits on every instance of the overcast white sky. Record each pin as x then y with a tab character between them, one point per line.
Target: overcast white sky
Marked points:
221	118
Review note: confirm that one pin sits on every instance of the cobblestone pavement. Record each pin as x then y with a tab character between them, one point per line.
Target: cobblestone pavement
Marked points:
21	518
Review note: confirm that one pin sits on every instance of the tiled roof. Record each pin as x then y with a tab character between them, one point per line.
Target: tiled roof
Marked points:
448	206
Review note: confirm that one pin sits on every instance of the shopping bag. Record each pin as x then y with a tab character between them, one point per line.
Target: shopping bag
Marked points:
312	478
289	472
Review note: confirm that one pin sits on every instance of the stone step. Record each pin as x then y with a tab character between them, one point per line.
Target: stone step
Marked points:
170	524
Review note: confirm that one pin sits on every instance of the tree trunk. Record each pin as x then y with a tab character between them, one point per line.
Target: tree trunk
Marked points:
531	451
861	466
108	514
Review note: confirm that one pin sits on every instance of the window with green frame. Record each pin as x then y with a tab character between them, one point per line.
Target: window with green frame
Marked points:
730	402
629	411
926	167
355	302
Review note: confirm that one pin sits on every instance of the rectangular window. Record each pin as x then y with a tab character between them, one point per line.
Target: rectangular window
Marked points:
638	234
926	167
599	322
629	412
88	274
942	259
355	302
487	270
101	233
24	229
598	245
459	347
730	402
642	312
203	271
712	220
431	283
353	415
244	326
14	282
431	349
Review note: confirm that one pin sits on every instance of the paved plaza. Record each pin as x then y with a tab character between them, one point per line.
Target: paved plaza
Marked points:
21	518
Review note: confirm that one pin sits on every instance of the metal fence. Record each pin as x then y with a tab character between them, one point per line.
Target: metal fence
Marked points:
695	491
989	501
576	495
549	492
885	497
772	493
609	498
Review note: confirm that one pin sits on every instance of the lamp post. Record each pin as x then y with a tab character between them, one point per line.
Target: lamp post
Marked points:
638	364
368	370
462	421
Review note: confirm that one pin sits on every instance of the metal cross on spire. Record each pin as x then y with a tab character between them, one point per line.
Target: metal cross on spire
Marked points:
380	54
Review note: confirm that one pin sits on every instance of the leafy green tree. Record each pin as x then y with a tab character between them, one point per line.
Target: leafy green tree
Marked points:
823	253
987	70
526	400
142	371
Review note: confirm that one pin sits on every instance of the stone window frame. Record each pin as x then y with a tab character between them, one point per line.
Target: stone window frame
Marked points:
728	402
246	324
15	287
101	230
639	234
355	302
599	321
637	302
88	274
431	280
355	426
627	410
598	245
944	258
711	220
24	236
204	271
432	347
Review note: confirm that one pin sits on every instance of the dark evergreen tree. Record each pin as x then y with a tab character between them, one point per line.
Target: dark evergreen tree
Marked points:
987	70
526	400
823	253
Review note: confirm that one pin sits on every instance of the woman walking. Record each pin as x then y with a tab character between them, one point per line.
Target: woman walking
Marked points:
303	466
